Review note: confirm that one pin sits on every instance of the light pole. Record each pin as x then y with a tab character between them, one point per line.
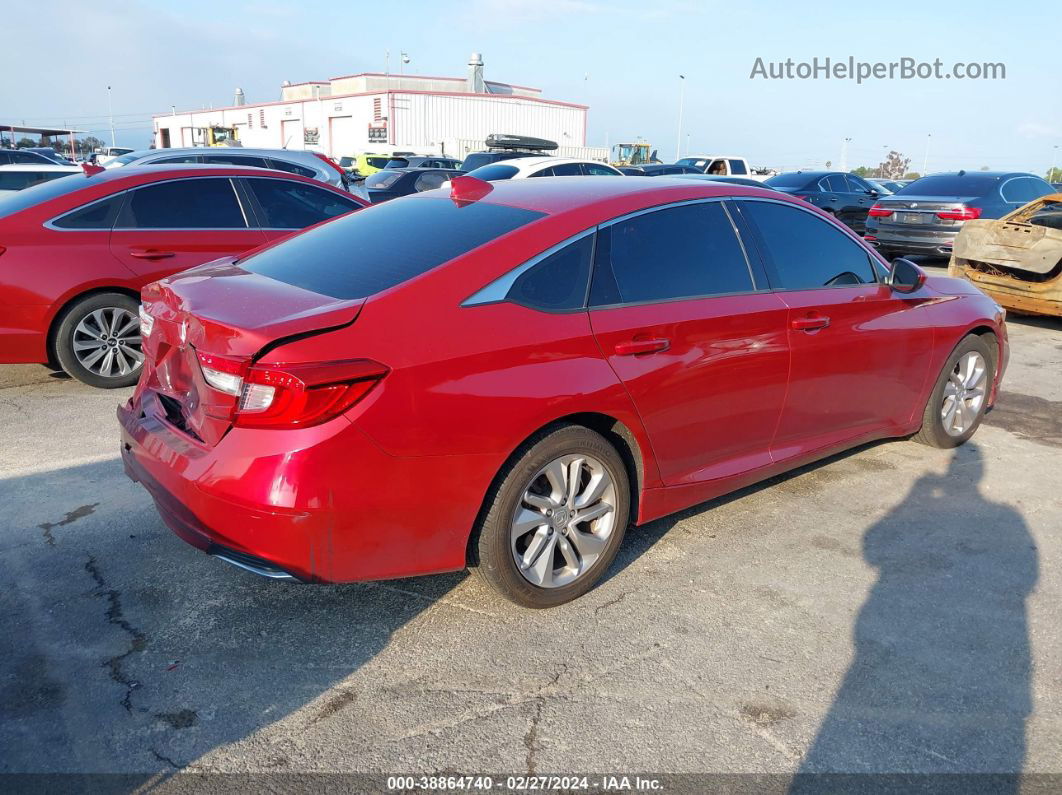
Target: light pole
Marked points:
110	112
844	154
925	160
402	61
1054	167
678	138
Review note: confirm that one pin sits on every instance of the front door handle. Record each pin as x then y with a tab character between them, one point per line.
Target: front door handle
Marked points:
149	253
810	322
634	347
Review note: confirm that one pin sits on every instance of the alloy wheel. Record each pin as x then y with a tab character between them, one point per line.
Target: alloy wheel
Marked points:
107	342
964	393
564	520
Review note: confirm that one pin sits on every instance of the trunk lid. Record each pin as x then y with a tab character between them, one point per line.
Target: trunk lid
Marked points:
222	311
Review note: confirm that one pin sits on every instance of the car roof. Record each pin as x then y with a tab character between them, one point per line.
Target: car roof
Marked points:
537	161
39	167
228	150
552	195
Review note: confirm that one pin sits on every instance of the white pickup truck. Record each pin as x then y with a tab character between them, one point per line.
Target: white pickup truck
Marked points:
722	166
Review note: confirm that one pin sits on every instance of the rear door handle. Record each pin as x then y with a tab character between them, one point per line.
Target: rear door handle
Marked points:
634	347
810	322
149	253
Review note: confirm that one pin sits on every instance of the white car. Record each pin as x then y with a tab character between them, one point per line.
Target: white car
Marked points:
24	175
722	166
543	167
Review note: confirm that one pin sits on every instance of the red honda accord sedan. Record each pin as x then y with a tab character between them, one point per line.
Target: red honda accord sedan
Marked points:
75	252
505	376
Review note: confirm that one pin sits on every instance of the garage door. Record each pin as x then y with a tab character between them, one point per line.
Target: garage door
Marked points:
291	134
341	136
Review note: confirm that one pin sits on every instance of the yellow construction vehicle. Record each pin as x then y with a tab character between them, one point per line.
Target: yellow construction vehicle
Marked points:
633	154
216	135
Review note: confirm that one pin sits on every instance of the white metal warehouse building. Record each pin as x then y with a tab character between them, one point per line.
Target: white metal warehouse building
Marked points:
382	113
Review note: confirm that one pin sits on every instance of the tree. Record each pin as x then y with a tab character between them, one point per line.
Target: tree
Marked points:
984	168
25	142
912	175
862	171
1054	174
90	143
894	166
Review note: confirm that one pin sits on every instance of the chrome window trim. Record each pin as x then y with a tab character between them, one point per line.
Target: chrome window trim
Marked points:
874	259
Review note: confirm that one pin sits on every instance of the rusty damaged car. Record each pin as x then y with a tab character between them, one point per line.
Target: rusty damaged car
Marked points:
1016	259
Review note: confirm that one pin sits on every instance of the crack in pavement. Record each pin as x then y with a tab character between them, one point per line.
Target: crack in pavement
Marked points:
165	759
532	735
611	602
117	618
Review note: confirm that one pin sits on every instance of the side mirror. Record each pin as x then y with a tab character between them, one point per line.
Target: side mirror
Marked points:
905	276
873	192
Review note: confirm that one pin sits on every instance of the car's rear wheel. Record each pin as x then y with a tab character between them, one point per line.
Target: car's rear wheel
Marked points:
960	396
98	341
553	523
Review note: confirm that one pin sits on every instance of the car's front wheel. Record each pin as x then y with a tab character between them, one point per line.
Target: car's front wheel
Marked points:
98	341
553	524
960	396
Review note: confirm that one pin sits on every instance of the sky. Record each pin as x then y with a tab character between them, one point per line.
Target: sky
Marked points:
621	58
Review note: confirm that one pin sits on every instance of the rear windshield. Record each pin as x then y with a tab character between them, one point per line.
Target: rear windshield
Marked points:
789	180
374	249
35	194
950	185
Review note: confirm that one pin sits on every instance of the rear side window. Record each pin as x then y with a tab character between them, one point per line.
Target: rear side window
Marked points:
209	203
807	252
378	162
1023	190
679	252
495	172
430	181
98	215
293	205
568	170
398	162
372	250
235	160
738	167
558	281
598	170
176	159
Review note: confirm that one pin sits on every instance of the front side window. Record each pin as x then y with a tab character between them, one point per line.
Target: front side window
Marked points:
598	170
208	203
807	252
855	185
678	252
293	205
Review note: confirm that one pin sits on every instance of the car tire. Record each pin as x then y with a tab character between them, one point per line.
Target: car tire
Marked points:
562	553
106	356
959	398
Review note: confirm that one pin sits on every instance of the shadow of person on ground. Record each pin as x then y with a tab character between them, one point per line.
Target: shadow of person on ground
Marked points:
940	680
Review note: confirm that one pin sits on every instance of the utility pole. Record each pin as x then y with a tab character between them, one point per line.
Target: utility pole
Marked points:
682	97
844	154
925	160
110	112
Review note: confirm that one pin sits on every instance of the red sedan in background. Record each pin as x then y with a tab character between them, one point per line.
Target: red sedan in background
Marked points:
75	252
540	363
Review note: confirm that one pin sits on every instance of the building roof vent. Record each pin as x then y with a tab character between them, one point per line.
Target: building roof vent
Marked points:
475	74
240	99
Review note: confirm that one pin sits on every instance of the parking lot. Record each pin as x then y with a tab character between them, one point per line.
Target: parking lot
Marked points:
895	608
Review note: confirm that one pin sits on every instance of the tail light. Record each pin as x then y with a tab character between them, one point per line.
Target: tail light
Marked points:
2	249
877	211
961	214
295	395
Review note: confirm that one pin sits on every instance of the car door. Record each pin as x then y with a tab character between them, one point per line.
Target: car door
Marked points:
863	195
860	352
687	325
283	205
169	226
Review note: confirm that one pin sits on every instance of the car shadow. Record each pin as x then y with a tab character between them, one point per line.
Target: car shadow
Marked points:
124	650
942	655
